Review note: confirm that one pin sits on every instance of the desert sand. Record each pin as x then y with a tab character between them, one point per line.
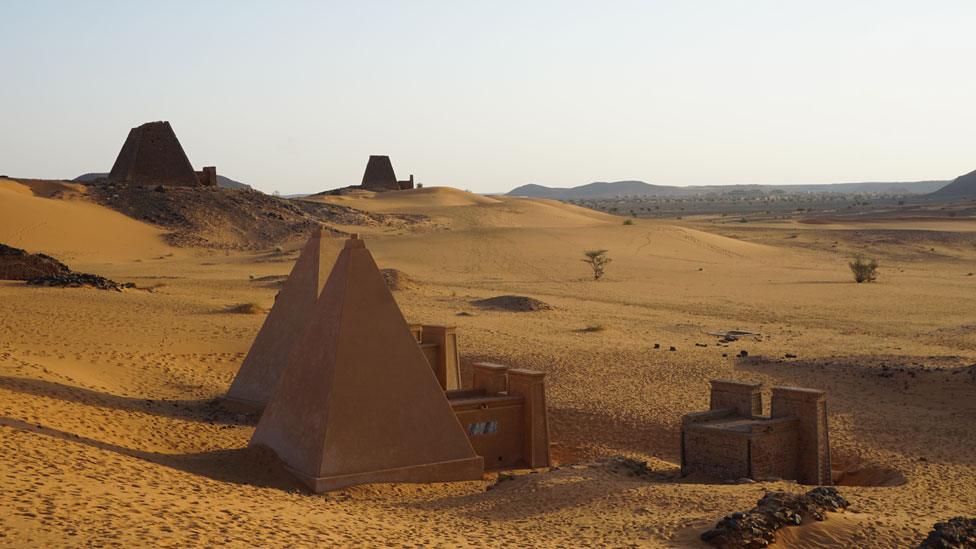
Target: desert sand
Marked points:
109	435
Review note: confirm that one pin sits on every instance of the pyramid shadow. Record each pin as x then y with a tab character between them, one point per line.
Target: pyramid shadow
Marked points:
204	411
250	466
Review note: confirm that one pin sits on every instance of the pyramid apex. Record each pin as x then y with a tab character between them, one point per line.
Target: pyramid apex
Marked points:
355	242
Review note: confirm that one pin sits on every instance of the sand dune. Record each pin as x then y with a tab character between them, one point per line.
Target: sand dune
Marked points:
456	209
73	230
108	434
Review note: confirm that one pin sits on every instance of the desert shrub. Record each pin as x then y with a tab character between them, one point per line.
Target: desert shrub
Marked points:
864	270
597	260
628	221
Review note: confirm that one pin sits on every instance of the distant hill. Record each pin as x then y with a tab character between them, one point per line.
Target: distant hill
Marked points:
222	181
640	188
963	186
595	190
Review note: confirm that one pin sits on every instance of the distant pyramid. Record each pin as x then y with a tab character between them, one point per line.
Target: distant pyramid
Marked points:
358	402
379	175
152	155
285	324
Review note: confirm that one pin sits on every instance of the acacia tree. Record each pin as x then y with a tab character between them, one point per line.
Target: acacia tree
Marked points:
597	260
864	270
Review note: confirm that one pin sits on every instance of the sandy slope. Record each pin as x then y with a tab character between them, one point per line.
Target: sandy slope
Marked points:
107	434
71	228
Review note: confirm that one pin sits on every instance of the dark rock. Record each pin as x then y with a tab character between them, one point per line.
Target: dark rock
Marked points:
515	303
396	280
790	355
955	533
743	353
657	345
17	264
77	280
672	348
757	527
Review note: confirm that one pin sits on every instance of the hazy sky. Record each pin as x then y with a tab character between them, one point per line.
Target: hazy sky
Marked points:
293	96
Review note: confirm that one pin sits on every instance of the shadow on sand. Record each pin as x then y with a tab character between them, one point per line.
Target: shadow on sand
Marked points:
205	411
250	466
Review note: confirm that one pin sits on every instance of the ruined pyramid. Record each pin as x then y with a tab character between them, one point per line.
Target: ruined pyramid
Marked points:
358	402
153	155
379	175
284	326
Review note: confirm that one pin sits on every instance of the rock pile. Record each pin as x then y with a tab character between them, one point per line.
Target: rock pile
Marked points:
515	303
955	533
625	466
396	280
214	217
44	270
757	527
17	264
71	279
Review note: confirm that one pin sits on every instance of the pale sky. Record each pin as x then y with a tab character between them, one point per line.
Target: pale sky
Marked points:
486	96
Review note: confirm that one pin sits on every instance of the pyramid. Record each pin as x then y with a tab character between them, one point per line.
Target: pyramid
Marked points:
358	402
284	326
379	175
153	155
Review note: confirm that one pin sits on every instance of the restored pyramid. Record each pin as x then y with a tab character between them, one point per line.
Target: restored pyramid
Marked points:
153	155
285	324
358	402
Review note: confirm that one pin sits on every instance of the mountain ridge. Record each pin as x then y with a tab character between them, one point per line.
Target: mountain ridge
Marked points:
963	186
603	189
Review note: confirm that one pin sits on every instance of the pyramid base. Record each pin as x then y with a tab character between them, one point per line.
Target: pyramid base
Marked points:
240	406
445	471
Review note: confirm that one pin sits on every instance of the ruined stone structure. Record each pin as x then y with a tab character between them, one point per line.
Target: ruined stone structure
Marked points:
379	176
152	155
284	325
357	401
208	176
505	417
733	440
439	344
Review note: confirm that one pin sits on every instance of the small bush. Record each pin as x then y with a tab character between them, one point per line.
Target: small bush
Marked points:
597	260
628	221
864	270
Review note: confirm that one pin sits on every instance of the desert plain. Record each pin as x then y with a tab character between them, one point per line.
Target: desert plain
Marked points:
110	435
